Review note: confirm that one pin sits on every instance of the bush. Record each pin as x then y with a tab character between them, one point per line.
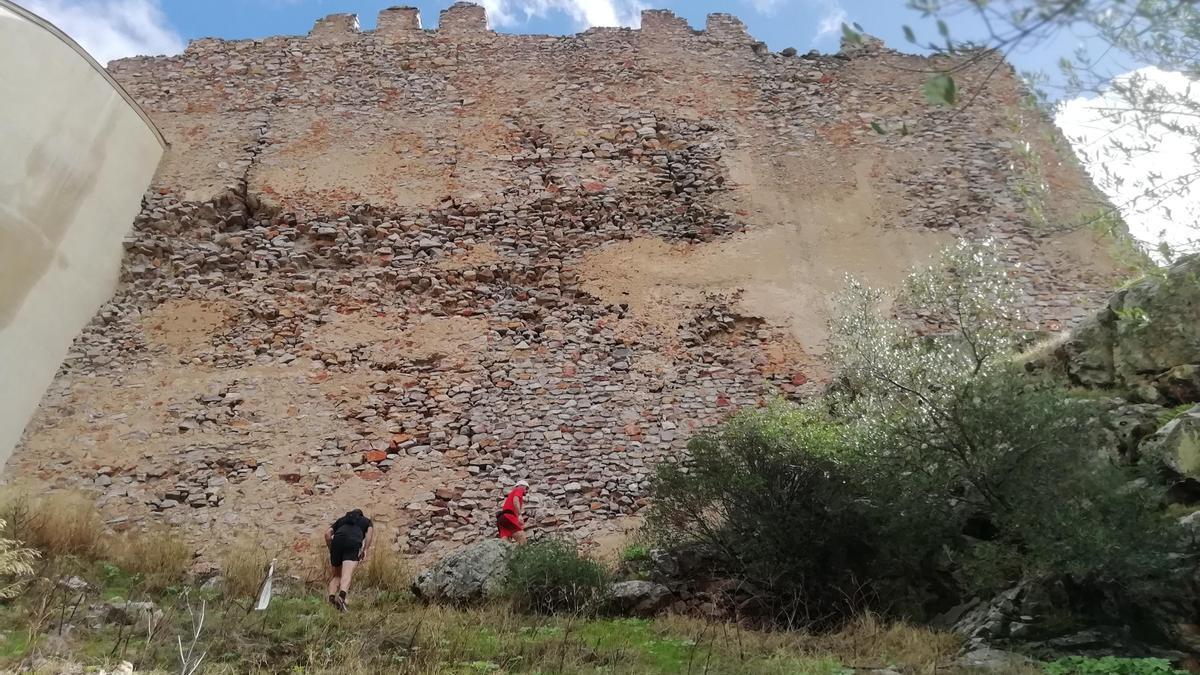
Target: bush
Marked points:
634	553
549	576
777	499
158	557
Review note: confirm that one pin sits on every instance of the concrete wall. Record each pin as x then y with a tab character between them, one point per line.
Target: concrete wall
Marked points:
78	155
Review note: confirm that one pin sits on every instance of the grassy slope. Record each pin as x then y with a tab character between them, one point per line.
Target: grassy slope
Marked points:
388	631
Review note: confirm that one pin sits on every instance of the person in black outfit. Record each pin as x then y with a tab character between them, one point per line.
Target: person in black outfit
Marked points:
349	540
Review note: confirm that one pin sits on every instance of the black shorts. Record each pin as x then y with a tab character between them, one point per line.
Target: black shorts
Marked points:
341	550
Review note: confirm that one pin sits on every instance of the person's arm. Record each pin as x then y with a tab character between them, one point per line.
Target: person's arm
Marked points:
367	542
328	537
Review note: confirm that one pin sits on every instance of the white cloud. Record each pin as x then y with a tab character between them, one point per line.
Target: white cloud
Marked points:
766	6
585	13
112	29
832	18
1124	176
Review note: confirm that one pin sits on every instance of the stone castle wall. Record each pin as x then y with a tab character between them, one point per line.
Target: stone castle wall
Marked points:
401	269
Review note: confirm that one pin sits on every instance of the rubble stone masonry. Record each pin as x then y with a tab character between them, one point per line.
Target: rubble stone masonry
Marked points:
401	269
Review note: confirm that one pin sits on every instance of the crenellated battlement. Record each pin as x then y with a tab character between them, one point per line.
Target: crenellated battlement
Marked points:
335	28
398	22
466	19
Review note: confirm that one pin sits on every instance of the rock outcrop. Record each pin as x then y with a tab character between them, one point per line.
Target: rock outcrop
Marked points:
1145	340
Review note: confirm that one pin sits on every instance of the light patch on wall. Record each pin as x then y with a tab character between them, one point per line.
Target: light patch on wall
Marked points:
112	29
585	13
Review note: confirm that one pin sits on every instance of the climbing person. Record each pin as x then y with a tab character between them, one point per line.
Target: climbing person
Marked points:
508	521
349	540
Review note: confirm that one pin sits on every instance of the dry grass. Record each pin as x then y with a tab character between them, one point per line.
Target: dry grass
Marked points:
59	523
865	643
385	570
159	557
1042	355
243	568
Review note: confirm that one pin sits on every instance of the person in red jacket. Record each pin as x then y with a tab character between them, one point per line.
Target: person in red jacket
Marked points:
508	521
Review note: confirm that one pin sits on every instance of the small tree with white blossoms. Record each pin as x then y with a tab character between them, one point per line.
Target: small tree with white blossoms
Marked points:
1005	467
16	564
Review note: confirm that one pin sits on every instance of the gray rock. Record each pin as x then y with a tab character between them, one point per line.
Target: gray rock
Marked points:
1129	423
993	660
475	573
641	598
1176	446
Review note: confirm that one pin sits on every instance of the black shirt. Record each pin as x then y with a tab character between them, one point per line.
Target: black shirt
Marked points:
351	527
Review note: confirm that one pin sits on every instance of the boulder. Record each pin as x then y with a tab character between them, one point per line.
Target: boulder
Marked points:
1180	384
1176	449
473	574
640	598
1157	321
1145	331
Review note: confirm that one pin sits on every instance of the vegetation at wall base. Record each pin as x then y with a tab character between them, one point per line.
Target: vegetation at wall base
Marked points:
937	469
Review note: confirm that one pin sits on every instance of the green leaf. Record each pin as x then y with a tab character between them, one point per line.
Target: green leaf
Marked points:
878	129
941	90
850	35
943	28
910	35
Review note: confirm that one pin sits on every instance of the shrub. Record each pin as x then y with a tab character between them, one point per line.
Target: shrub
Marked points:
157	556
549	576
59	523
635	553
779	501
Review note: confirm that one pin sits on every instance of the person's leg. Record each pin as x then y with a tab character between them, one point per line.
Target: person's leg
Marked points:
347	573
335	577
519	536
